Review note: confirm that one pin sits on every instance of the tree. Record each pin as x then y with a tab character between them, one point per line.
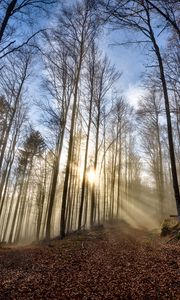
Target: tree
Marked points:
59	85
149	112
33	146
14	114
169	11
105	76
13	10
79	31
138	16
91	66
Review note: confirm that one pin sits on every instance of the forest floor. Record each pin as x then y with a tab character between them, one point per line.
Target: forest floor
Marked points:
114	262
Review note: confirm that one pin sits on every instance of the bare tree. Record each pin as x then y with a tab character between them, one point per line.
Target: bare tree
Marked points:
79	29
169	11
59	84
138	16
33	146
91	65
149	112
21	11
106	76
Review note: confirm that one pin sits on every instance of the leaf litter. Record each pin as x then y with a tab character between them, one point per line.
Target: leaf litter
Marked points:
114	262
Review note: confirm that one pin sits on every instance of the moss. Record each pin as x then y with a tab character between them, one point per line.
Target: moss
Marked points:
170	226
178	235
167	226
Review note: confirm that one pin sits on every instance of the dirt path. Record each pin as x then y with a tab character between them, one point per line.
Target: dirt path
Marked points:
111	263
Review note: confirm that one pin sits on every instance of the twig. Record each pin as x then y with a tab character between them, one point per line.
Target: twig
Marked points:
171	239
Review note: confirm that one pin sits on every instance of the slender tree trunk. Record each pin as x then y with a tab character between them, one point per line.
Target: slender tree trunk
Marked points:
68	165
168	118
7	16
104	169
41	198
93	195
7	171
22	206
54	180
85	161
160	173
17	206
55	174
72	185
9	212
12	116
119	174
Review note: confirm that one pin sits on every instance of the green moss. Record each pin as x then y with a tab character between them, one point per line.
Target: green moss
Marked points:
178	235
168	226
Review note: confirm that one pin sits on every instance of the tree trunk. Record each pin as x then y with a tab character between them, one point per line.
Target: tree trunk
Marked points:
68	165
7	16
168	118
85	163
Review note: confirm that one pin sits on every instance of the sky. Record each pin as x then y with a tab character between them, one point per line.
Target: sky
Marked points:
129	60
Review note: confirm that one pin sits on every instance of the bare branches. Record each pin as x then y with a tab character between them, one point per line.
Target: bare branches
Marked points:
9	29
16	48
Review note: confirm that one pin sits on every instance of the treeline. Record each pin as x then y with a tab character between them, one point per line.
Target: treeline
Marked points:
87	162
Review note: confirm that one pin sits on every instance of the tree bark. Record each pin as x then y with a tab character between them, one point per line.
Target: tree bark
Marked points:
168	117
7	16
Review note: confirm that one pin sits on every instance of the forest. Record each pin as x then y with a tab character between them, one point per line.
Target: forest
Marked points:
75	152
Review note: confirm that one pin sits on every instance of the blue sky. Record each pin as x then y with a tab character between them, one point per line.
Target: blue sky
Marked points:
130	60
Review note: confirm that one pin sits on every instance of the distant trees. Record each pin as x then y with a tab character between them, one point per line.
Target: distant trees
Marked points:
138	16
104	79
14	112
149	113
18	208
33	147
122	112
60	84
90	84
80	28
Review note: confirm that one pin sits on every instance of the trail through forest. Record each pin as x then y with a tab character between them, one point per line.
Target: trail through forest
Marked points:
108	263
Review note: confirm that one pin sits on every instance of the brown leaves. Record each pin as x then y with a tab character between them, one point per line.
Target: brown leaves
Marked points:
110	265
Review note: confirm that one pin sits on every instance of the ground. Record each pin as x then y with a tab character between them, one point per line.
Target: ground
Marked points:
114	262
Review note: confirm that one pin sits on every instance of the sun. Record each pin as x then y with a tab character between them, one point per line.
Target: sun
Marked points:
91	176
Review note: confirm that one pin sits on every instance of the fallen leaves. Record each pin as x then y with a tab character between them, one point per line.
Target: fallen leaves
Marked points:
111	264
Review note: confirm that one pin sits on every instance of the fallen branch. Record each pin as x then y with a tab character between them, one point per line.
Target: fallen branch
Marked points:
174	237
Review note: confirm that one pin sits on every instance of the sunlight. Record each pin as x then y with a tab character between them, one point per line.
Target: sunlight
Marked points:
134	94
91	175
